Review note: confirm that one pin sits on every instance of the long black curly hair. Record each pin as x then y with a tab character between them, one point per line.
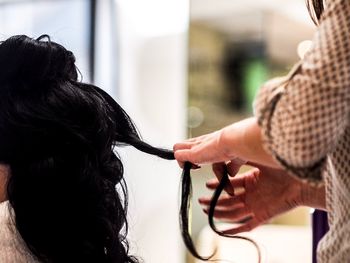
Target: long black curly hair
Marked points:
58	135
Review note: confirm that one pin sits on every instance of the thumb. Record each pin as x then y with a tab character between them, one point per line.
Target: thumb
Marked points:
234	165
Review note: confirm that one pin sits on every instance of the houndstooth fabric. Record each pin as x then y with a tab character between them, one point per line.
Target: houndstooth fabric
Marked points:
305	123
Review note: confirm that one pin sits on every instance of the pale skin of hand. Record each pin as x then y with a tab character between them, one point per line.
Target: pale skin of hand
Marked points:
241	139
264	193
269	190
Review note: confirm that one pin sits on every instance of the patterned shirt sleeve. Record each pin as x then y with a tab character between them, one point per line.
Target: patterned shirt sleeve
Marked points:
303	118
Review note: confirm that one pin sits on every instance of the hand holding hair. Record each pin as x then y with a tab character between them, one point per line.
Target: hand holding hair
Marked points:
202	150
259	195
239	140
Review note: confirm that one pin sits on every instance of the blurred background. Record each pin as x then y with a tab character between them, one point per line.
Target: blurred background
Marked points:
180	69
234	47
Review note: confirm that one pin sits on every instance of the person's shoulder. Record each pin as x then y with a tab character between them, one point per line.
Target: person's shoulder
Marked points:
4	213
12	247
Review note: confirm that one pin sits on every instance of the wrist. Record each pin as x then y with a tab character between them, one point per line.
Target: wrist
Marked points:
243	140
313	196
230	140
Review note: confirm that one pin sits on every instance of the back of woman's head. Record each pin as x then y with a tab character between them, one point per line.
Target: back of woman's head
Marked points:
57	135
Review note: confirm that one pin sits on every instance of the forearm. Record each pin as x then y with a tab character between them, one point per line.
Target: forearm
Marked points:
243	139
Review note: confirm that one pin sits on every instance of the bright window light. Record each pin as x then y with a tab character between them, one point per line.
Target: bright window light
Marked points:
152	18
